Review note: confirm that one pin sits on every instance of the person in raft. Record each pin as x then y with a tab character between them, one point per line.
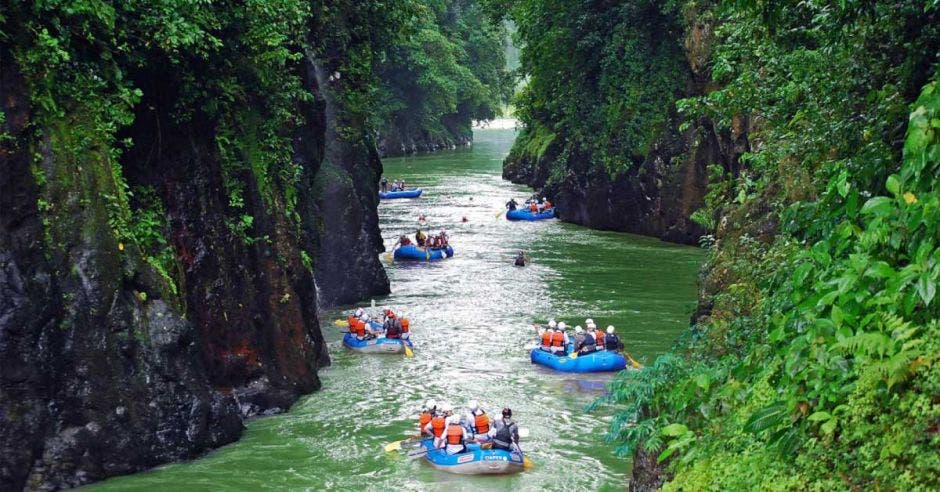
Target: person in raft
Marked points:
421	238
478	422
384	184
439	425
560	340
512	204
505	432
428	412
545	334
612	341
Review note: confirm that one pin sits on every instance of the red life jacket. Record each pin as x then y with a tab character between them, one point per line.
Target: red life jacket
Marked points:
481	423
357	328
548	204
437	426
424	419
405	324
546	338
558	339
454	433
533	207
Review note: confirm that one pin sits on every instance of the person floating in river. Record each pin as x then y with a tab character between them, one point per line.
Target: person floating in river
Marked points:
522	259
512	204
505	432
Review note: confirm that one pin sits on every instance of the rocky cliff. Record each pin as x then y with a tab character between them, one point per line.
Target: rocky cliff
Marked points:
153	295
664	182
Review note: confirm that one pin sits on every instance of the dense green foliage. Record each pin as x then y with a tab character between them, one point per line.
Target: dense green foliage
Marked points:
236	71
450	71
601	76
817	365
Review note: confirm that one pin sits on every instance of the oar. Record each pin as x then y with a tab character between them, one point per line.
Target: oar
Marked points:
341	322
501	212
397	445
408	352
527	463
388	254
633	362
417	453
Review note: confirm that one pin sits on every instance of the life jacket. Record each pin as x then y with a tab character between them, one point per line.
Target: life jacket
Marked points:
558	339
481	423
393	328
546	338
437	426
547	205
351	319
588	339
611	342
424	419
454	433
405	325
533	207
503	437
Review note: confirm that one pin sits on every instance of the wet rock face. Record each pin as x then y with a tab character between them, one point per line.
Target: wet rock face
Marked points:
105	371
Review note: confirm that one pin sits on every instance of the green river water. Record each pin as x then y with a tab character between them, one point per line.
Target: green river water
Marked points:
471	323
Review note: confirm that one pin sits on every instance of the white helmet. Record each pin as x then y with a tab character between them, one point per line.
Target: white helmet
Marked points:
589	321
429	404
366	317
446	407
473	405
610	329
359	312
552	324
577	329
562	325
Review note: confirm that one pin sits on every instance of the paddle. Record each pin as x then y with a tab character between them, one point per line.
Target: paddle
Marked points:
341	322
408	352
633	362
501	212
388	258
397	445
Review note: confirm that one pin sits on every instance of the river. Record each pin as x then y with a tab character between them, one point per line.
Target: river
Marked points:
471	317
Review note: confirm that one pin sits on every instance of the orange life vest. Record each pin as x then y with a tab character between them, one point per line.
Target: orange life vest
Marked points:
546	338
454	433
404	325
350	320
357	328
533	207
547	205
558	339
424	419
437	426
481	423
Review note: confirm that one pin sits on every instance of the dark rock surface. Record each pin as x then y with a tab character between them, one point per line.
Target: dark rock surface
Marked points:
105	367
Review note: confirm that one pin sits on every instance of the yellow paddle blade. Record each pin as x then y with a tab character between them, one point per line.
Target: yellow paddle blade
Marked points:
409	352
633	362
527	463
388	257
393	446
341	322
573	355
499	213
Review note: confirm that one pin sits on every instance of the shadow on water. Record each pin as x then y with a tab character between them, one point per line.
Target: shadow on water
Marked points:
472	321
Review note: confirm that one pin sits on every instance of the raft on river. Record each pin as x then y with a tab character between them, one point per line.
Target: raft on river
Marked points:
412	252
379	345
388	195
602	361
524	214
475	461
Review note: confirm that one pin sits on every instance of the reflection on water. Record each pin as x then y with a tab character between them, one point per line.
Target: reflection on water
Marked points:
472	321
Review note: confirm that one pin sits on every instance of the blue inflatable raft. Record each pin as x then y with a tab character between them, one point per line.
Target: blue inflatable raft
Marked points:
388	195
602	361
523	214
412	252
380	345
475	461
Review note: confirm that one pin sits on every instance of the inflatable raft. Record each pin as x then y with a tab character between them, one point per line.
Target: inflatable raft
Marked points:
380	345
412	252
523	214
475	461
388	195
602	361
